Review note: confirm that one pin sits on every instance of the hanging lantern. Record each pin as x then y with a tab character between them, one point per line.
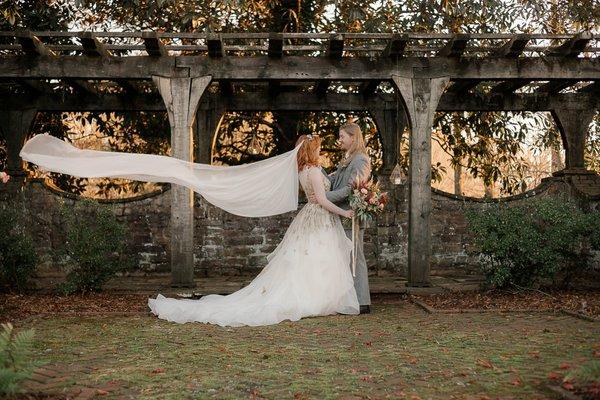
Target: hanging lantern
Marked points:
398	177
255	147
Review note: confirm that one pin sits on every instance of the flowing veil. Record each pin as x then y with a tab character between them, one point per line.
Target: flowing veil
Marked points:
258	189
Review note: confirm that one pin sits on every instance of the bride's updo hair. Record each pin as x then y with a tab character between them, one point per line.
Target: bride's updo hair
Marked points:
307	155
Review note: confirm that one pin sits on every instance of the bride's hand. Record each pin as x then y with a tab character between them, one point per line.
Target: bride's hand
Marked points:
349	213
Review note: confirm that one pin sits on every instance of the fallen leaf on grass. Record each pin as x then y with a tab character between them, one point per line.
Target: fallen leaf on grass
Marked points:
484	363
158	371
568	385
554	376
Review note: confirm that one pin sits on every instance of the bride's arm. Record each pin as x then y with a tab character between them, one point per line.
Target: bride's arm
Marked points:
316	181
330	177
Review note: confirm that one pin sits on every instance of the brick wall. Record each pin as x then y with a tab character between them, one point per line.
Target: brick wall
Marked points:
226	244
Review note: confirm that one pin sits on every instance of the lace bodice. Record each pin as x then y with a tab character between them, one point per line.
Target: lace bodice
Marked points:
306	184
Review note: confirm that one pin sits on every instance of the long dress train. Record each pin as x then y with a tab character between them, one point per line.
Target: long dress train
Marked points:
307	274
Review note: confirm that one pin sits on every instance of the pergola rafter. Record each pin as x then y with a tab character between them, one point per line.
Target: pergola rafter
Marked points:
294	71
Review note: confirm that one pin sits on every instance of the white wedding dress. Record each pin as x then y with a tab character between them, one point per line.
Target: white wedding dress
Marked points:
308	274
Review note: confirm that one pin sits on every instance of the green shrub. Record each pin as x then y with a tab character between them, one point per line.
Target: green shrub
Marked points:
18	259
15	362
530	242
94	246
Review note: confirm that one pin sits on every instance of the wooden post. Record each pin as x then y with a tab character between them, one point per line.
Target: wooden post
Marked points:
420	97
207	123
573	126
16	126
181	96
390	124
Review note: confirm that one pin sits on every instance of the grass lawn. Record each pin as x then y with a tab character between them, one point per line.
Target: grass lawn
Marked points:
397	351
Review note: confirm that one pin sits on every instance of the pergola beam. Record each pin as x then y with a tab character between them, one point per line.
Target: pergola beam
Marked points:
275	45
396	46
32	45
455	46
297	68
215	45
302	101
154	46
513	48
92	47
572	47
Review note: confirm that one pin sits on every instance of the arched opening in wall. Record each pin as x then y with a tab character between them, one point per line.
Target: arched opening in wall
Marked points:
493	154
591	153
140	132
244	137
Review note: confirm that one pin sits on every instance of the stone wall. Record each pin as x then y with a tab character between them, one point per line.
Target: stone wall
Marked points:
228	245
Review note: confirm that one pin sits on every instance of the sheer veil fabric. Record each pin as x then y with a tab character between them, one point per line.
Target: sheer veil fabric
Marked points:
259	189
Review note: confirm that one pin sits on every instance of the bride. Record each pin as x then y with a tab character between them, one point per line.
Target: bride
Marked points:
306	275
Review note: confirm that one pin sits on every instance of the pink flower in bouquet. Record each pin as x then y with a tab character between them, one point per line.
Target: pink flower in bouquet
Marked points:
366	199
4	177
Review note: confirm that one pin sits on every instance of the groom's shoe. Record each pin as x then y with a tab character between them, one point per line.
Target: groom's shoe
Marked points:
365	308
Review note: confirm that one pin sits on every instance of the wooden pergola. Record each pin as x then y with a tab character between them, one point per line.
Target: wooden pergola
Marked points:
424	73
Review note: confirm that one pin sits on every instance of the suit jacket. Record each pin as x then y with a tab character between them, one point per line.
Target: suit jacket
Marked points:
341	180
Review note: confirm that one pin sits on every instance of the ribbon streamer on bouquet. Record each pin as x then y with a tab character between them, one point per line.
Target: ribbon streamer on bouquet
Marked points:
355	228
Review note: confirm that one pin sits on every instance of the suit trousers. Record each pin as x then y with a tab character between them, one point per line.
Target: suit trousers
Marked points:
361	280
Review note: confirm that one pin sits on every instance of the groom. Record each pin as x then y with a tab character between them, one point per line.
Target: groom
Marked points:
354	164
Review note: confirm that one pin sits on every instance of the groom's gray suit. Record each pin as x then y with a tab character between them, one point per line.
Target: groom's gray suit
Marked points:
341	181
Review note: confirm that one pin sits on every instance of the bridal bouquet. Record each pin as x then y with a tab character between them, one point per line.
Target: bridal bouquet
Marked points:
367	200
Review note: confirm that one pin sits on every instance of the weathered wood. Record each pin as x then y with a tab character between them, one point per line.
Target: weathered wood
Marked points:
396	46
573	126
420	98
510	86
455	46
513	48
572	47
92	47
275	45
335	47
16	125
129	86
390	124
320	88
154	46
368	88
32	45
215	45
303	101
297	68
591	88
207	123
181	97
462	86
274	88
556	86
36	86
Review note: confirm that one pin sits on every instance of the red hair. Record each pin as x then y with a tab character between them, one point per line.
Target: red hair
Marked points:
307	155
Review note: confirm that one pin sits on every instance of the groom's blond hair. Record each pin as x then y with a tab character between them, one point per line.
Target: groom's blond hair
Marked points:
358	144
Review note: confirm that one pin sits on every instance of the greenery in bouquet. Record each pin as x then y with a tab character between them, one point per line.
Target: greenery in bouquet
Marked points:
366	199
